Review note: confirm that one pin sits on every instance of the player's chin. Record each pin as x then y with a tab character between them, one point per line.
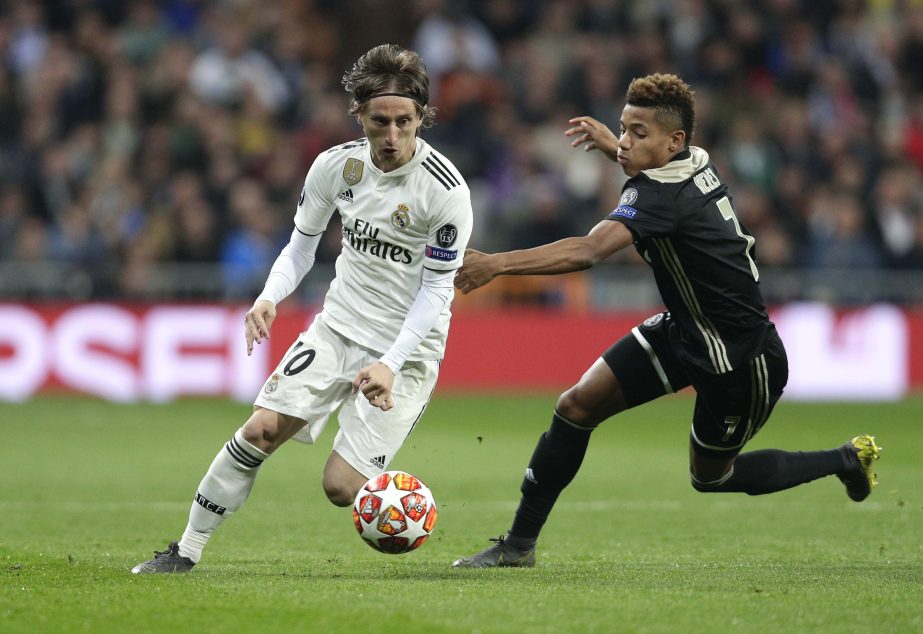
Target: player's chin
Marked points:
630	171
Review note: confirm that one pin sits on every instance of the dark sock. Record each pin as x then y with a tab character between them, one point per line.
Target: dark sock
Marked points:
521	543
770	470
554	463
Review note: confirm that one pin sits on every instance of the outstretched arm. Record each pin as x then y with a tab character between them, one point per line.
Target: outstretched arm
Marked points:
563	256
595	134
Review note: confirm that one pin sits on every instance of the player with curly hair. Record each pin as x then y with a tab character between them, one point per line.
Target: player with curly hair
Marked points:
715	334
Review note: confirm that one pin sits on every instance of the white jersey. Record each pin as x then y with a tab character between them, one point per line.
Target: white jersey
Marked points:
394	224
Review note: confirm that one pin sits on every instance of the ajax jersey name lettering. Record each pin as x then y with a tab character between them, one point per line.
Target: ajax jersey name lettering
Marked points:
363	237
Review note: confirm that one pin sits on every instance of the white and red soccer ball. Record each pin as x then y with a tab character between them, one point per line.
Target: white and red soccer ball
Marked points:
394	512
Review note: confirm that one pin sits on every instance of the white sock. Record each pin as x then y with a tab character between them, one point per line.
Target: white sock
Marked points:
222	491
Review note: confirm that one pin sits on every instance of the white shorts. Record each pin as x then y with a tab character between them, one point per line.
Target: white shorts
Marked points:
315	377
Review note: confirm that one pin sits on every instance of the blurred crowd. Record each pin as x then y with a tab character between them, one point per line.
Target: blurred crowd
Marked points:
141	132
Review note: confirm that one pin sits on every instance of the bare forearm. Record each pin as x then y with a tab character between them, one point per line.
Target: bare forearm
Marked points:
563	256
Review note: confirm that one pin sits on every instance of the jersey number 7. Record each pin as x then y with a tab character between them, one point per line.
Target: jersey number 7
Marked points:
727	212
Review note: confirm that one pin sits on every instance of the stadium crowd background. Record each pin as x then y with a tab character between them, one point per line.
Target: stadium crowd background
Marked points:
140	135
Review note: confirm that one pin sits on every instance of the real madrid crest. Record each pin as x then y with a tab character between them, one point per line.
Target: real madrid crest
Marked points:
352	171
272	384
400	217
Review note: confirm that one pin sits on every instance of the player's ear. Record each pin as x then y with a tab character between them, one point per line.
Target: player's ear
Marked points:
677	140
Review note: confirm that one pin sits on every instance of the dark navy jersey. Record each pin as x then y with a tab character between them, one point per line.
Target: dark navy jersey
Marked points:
703	259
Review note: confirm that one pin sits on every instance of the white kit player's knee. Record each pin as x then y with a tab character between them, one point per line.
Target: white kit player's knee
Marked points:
222	491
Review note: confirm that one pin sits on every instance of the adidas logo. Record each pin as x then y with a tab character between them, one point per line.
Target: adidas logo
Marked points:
378	461
530	476
347	195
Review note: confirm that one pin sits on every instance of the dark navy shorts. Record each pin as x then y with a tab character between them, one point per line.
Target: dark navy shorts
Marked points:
730	408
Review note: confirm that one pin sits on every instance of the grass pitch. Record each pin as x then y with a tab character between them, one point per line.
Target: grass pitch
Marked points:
89	489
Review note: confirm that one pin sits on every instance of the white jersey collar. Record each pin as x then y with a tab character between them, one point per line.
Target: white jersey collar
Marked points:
678	171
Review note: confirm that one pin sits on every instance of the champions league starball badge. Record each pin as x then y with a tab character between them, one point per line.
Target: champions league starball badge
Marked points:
629	196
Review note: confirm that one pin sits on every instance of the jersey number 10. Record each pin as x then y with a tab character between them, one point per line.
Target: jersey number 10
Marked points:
727	212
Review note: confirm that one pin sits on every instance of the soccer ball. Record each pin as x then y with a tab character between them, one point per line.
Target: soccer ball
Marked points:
394	512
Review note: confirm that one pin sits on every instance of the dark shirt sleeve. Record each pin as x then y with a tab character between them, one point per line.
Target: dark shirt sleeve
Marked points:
643	212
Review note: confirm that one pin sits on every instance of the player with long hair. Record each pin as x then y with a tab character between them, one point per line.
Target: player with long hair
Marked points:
375	348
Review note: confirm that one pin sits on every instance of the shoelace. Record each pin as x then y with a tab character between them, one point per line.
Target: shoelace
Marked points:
502	541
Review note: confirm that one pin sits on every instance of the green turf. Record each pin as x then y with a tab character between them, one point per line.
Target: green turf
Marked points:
88	489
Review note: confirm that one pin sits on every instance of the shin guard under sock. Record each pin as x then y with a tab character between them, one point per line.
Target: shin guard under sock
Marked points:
555	461
222	491
770	470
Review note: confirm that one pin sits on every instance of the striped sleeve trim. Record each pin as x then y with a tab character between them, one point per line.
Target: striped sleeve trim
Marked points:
349	145
441	172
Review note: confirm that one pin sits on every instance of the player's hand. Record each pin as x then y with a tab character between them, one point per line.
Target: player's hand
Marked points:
595	135
477	271
376	381
257	323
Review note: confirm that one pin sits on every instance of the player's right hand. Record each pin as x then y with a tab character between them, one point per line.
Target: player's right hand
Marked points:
596	135
375	381
257	323
476	271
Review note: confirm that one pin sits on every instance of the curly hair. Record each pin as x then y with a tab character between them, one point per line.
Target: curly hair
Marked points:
389	69
671	98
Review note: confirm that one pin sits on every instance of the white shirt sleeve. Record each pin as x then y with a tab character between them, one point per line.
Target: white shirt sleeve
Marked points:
318	200
435	292
293	263
449	232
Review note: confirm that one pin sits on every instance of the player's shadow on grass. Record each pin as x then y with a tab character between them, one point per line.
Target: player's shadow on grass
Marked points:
431	574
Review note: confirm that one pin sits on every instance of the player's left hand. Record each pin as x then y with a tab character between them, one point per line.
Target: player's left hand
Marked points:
593	135
477	271
376	381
